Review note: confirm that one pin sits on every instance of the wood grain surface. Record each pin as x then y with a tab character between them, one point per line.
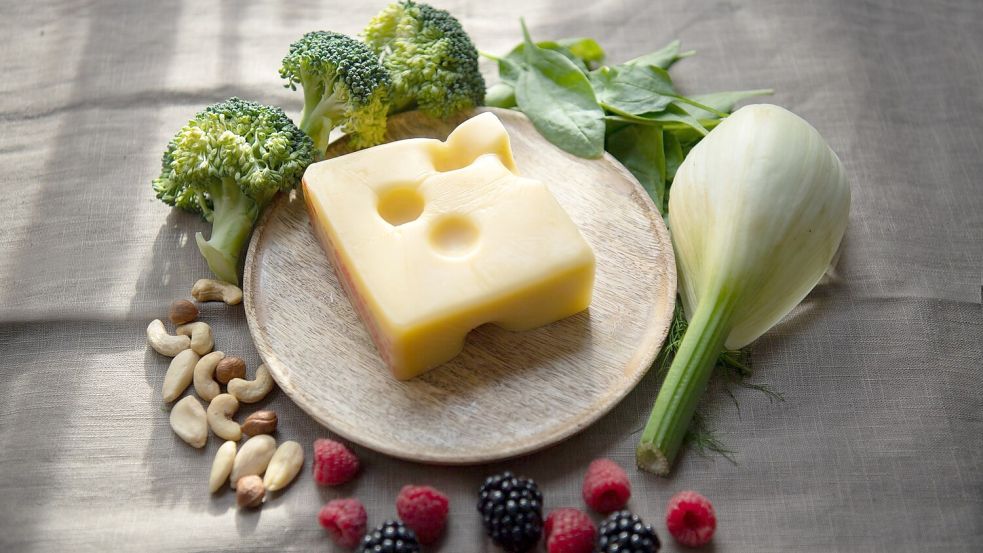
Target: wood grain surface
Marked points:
508	393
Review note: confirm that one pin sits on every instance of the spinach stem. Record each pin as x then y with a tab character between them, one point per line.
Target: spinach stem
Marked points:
704	107
672	127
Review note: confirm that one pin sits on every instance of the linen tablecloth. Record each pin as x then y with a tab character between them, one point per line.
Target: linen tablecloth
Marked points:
878	446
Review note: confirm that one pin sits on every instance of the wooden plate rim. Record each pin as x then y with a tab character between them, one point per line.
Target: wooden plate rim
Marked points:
657	329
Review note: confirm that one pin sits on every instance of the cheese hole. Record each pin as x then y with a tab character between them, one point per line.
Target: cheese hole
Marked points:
400	205
454	235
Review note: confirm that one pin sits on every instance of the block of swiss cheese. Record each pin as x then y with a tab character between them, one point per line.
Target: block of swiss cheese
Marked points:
432	239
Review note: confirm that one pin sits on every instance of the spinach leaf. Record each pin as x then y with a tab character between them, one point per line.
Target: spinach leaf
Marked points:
638	89
722	101
662	58
517	55
676	114
587	49
559	100
673	113
640	149
674	157
632	89
500	95
583	52
508	69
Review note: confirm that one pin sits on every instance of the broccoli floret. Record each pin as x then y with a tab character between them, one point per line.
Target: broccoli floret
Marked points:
433	63
344	86
226	164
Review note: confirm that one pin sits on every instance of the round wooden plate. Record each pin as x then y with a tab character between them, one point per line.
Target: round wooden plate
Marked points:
508	393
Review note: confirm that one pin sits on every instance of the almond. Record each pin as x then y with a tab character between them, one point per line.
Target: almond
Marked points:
182	311
284	466
260	422
229	368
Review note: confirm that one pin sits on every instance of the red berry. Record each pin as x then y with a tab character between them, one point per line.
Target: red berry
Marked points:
569	531
424	510
606	486
690	519
333	463
345	520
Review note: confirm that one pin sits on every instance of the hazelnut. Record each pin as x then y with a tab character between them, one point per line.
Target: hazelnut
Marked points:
229	368
260	422
250	491
182	312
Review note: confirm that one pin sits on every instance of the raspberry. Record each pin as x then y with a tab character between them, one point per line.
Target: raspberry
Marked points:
333	463
569	531
690	519
424	510
606	486
345	520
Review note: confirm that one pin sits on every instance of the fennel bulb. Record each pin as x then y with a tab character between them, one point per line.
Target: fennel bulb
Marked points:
757	211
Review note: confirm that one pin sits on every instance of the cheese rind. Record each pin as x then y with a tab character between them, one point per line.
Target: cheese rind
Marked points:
432	239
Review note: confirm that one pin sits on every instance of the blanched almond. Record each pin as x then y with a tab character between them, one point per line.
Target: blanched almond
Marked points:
188	421
222	466
179	374
253	457
284	466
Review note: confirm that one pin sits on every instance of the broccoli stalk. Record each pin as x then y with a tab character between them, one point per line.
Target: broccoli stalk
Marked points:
227	164
344	86
433	63
233	216
319	112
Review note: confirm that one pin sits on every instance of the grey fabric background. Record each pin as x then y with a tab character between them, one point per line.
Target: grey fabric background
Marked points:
877	448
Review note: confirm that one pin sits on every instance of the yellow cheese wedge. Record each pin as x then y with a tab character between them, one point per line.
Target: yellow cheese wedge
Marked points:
432	239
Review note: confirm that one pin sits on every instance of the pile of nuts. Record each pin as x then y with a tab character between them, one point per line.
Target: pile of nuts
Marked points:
259	465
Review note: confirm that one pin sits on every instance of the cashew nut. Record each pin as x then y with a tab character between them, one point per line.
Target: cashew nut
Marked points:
179	374
221	466
284	466
201	336
251	391
208	289
253	457
162	342
205	385
220	412
188	422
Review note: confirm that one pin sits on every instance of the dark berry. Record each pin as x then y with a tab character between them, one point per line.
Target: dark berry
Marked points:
390	537
624	532
512	511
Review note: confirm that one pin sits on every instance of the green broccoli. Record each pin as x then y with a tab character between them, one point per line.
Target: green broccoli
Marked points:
226	164
433	63
344	86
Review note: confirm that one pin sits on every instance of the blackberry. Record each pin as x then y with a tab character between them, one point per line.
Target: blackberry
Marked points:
624	532
390	537
512	511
